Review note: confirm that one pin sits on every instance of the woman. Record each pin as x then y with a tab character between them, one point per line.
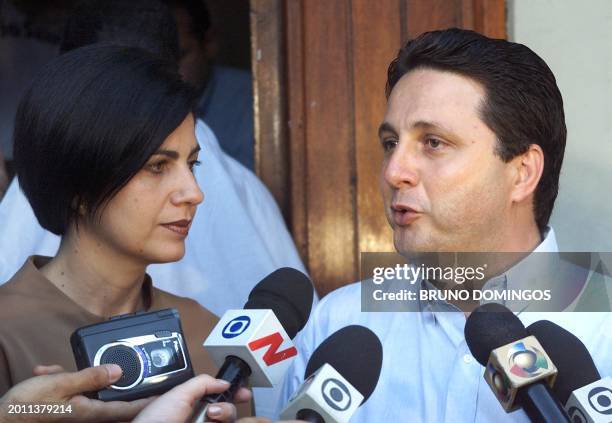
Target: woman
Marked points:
104	149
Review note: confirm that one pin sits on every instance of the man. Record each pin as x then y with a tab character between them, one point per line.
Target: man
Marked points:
473	140
226	101
238	235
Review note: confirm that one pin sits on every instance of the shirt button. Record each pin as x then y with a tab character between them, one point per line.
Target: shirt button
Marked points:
468	359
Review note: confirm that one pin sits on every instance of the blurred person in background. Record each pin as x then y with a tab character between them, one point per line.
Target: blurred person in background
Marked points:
226	93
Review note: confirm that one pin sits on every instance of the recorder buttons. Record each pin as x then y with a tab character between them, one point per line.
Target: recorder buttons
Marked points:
163	334
121	316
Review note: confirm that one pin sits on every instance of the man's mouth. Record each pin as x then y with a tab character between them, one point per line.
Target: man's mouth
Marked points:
180	227
403	215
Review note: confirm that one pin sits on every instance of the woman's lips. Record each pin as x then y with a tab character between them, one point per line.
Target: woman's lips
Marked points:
403	216
180	227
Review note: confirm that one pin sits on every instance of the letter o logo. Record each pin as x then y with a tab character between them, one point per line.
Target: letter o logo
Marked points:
236	327
336	394
576	415
600	399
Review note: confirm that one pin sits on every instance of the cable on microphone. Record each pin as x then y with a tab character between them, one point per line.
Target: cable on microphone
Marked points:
586	395
255	343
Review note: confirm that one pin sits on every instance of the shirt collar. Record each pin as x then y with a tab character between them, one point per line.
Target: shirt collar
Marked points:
527	273
549	242
33	278
514	278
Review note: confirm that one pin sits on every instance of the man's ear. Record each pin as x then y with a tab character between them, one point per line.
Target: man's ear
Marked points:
529	167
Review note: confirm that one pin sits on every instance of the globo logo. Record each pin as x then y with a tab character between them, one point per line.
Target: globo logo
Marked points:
236	327
336	394
600	399
576	415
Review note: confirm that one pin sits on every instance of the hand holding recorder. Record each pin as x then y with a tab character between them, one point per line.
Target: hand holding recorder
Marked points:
54	386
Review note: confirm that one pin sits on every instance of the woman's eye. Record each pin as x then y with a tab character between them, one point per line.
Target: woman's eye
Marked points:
157	167
194	164
389	144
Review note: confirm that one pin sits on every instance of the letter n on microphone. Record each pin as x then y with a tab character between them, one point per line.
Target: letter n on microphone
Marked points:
272	355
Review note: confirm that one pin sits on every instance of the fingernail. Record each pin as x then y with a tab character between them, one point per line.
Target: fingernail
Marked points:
223	382
214	411
114	372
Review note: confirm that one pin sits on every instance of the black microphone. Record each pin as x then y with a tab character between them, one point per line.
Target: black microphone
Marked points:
340	376
255	343
587	397
517	369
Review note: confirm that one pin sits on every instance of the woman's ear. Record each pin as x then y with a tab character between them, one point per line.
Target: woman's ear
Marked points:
529	167
79	206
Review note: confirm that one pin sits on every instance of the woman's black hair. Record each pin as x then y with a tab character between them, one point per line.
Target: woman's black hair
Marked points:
88	123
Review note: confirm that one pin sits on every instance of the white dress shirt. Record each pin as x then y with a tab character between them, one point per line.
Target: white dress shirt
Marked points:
428	373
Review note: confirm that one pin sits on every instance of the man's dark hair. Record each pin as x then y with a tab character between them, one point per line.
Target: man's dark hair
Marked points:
148	24
522	104
88	123
197	11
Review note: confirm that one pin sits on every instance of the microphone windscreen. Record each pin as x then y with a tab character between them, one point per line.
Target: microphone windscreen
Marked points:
356	353
288	293
574	363
491	326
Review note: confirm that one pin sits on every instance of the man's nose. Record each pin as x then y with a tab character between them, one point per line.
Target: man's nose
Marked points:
401	167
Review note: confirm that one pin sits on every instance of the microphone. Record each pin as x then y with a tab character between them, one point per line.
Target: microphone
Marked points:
340	376
255	343
586	395
517	369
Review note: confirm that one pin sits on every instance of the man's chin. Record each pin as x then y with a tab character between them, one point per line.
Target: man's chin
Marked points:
407	243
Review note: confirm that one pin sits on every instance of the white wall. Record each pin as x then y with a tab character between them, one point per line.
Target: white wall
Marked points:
575	39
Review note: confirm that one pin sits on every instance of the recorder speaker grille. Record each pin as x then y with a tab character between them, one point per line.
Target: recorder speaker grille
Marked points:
126	358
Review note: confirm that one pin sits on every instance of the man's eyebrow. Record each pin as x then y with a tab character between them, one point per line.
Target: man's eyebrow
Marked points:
174	154
428	126
423	125
386	127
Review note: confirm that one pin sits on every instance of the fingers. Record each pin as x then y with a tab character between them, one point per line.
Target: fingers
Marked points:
99	411
177	404
221	412
254	420
41	370
243	395
199	386
87	380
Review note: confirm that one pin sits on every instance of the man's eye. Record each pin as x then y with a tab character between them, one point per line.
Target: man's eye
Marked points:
389	145
434	144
